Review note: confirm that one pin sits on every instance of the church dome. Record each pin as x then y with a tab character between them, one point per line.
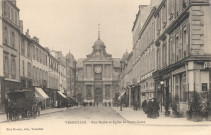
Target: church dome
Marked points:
70	56
99	45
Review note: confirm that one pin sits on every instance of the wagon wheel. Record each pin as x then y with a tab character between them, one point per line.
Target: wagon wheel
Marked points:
13	115
17	115
28	114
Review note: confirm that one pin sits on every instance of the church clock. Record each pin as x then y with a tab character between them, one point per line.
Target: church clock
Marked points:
98	69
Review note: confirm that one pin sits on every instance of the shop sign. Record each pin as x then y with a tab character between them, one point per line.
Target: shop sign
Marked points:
179	70
204	86
207	65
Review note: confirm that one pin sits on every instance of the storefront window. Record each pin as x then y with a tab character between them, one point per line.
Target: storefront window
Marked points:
184	91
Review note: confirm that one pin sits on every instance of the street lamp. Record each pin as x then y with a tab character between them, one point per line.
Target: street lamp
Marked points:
162	84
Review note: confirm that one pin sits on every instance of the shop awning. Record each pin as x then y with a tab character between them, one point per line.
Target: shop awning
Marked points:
36	95
61	94
121	94
41	93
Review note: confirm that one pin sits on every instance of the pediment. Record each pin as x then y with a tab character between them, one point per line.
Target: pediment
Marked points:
98	58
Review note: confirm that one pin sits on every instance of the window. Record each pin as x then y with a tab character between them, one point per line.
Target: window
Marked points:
13	67
164	15
12	39
8	11
12	14
37	54
16	17
5	35
6	65
158	23
107	91
158	58
28	50
40	55
23	68
185	42
5	8
184	91
23	47
177	47
164	57
29	69
33	52
177	87
89	93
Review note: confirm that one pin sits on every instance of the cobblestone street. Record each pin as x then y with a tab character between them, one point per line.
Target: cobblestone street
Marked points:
104	118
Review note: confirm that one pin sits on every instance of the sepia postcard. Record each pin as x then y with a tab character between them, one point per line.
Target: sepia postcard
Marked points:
105	67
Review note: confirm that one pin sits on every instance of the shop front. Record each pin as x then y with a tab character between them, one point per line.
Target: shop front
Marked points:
175	86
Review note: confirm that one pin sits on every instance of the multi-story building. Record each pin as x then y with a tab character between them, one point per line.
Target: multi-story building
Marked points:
40	70
9	48
140	64
97	76
70	75
183	51
171	52
25	59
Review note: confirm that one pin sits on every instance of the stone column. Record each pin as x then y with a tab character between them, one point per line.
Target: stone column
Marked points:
92	72
93	96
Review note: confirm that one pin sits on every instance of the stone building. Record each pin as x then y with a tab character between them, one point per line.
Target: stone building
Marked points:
183	52
9	49
25	59
70	75
97	76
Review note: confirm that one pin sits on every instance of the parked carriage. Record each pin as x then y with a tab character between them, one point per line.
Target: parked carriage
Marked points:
22	102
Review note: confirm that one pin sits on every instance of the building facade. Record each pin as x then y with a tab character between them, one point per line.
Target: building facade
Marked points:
9	49
171	53
97	76
183	51
70	75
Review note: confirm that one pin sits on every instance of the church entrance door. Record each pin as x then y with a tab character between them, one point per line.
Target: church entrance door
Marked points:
98	95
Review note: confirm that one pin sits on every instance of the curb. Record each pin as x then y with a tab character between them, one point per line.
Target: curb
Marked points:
46	113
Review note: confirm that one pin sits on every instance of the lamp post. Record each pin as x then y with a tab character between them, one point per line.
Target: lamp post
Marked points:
162	84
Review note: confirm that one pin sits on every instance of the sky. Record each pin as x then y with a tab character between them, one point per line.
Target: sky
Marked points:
72	25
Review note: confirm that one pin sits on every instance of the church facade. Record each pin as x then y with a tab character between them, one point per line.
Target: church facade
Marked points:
97	76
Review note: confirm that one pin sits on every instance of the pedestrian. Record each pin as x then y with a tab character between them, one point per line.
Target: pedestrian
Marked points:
10	109
144	106
155	108
34	110
6	109
39	108
149	109
97	103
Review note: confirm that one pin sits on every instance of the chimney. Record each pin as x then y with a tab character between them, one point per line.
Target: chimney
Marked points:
21	25
27	33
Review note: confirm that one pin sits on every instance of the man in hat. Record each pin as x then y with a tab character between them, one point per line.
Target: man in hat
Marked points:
155	108
149	108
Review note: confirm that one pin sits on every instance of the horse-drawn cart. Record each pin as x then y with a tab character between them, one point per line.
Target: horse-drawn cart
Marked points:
22	102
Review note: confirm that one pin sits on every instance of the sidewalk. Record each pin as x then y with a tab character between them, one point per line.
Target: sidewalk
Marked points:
42	112
140	118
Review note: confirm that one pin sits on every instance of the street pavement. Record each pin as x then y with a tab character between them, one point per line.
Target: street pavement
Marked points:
101	120
140	118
